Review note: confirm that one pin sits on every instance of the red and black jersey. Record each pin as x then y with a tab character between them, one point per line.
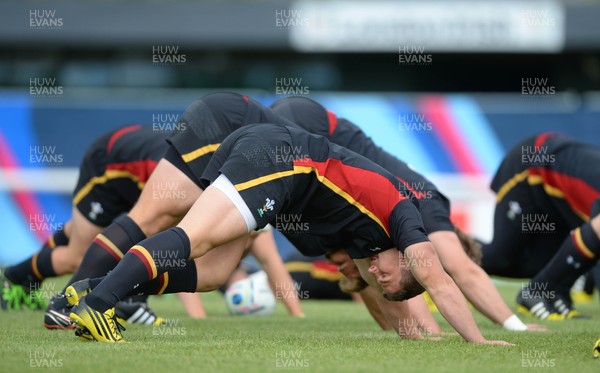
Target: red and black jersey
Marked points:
335	197
314	118
561	173
114	170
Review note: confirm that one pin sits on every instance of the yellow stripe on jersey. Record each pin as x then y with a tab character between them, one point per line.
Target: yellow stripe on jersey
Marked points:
339	191
549	189
51	242
188	157
108	175
263	179
556	193
511	183
535	180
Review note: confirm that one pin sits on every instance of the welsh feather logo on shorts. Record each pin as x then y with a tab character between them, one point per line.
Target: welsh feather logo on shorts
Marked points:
268	206
96	210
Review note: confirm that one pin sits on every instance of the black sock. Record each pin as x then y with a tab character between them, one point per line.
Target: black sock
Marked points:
108	248
177	280
143	298
151	257
32	271
578	253
595	274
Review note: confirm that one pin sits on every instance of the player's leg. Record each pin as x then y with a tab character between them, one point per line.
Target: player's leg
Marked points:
502	256
152	213
578	254
102	255
111	244
213	221
39	266
156	211
595	274
19	283
223	215
66	259
203	274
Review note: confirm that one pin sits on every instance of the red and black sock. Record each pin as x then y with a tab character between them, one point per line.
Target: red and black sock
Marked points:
145	261
108	248
177	280
578	254
33	270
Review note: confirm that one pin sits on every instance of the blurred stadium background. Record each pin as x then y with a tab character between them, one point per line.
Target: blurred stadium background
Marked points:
448	86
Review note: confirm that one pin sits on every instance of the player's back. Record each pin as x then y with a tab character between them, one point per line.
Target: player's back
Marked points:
136	143
342	194
559	171
314	118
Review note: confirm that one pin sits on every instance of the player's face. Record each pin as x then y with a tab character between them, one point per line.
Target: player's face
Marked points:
386	267
344	263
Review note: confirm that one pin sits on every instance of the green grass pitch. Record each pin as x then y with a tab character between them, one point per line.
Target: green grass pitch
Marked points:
335	336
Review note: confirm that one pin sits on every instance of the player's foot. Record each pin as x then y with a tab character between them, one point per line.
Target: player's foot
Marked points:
564	306
84	335
77	290
12	296
57	314
102	326
136	313
582	291
596	350
530	304
582	297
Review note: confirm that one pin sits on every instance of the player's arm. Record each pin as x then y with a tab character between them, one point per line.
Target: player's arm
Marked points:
193	305
265	251
444	292
398	314
472	280
420	257
419	312
369	297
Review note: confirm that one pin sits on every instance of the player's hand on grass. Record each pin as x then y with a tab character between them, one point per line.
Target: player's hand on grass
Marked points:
536	328
498	343
450	334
